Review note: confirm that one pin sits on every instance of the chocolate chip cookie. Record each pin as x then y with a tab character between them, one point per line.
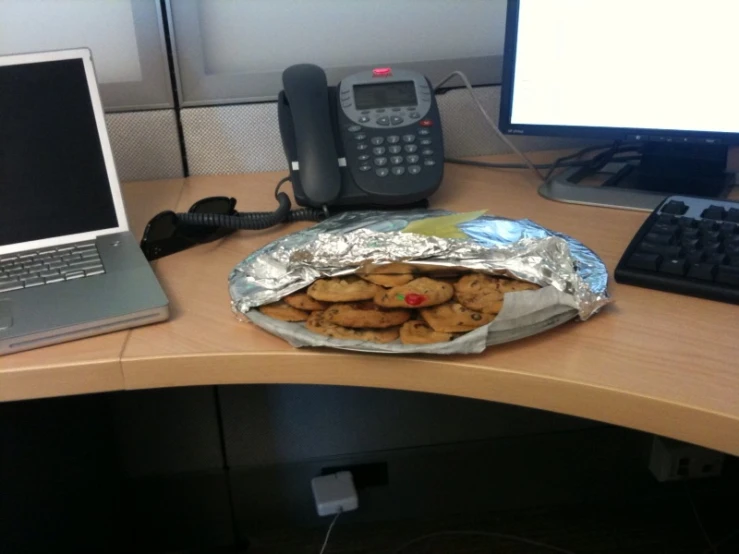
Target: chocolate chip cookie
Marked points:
284	312
343	289
302	301
419	293
365	315
453	317
417	332
317	323
391	275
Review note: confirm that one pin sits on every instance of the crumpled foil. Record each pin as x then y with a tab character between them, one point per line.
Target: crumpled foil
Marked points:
573	278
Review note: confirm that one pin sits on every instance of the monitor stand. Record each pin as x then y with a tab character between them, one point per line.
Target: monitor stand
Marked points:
665	169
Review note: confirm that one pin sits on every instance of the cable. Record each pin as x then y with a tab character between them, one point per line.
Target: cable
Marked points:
493	165
328	533
256	220
504	536
492	123
711	546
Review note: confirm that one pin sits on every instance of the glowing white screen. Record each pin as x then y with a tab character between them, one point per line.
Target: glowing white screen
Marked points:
641	64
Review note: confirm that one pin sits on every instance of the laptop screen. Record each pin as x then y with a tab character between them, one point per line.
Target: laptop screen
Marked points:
53	179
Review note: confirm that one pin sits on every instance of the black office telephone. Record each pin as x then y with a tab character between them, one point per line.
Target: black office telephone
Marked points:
374	140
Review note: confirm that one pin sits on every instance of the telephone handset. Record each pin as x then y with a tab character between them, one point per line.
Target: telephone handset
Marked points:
374	140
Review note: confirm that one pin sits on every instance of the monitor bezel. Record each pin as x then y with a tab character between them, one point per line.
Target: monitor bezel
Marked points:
611	133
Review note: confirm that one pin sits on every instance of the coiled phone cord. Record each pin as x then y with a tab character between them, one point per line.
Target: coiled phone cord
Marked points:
256	221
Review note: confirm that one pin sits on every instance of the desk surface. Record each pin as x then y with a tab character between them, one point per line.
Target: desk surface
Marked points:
651	361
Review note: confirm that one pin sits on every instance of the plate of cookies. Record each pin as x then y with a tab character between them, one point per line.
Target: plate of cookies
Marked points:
354	284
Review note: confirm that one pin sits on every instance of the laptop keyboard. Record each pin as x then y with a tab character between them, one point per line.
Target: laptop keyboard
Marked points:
49	265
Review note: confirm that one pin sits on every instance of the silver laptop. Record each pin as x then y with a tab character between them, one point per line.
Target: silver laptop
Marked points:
69	267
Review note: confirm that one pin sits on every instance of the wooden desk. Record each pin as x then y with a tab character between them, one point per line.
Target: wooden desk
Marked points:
652	361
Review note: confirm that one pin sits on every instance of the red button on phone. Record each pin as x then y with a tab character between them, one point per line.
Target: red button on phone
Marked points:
425	123
382	72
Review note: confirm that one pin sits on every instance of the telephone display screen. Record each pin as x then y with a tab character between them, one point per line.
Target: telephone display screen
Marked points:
385	95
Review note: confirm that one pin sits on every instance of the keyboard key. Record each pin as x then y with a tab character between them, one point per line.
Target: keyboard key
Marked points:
690	244
711	247
711	236
694	257
707	225
91	272
35	282
691	233
714	212
658	238
55	279
674	207
674	266
686	222
666	219
702	271
662	250
728	276
716	259
649	262
664	229
7	286
728	229
733	215
74	275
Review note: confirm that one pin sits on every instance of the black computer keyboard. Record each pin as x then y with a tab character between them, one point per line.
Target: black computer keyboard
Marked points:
687	246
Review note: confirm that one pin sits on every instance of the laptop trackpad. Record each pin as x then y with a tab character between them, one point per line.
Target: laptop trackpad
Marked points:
6	315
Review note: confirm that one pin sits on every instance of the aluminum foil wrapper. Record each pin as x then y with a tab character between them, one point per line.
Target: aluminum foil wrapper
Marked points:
574	280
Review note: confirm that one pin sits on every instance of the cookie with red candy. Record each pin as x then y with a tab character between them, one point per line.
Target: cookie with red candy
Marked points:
419	293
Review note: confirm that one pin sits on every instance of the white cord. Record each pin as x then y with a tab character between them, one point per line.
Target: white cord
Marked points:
328	533
483	534
495	128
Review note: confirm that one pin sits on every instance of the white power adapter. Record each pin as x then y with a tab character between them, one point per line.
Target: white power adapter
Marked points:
334	493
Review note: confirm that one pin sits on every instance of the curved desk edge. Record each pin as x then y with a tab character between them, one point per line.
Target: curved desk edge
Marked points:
429	375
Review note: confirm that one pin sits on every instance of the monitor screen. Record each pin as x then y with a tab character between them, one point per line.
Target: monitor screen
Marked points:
53	178
623	69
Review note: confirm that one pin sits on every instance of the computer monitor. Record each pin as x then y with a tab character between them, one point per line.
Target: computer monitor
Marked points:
660	73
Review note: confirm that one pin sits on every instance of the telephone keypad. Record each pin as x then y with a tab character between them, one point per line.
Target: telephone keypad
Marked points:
364	119
414	115
395	154
395	120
